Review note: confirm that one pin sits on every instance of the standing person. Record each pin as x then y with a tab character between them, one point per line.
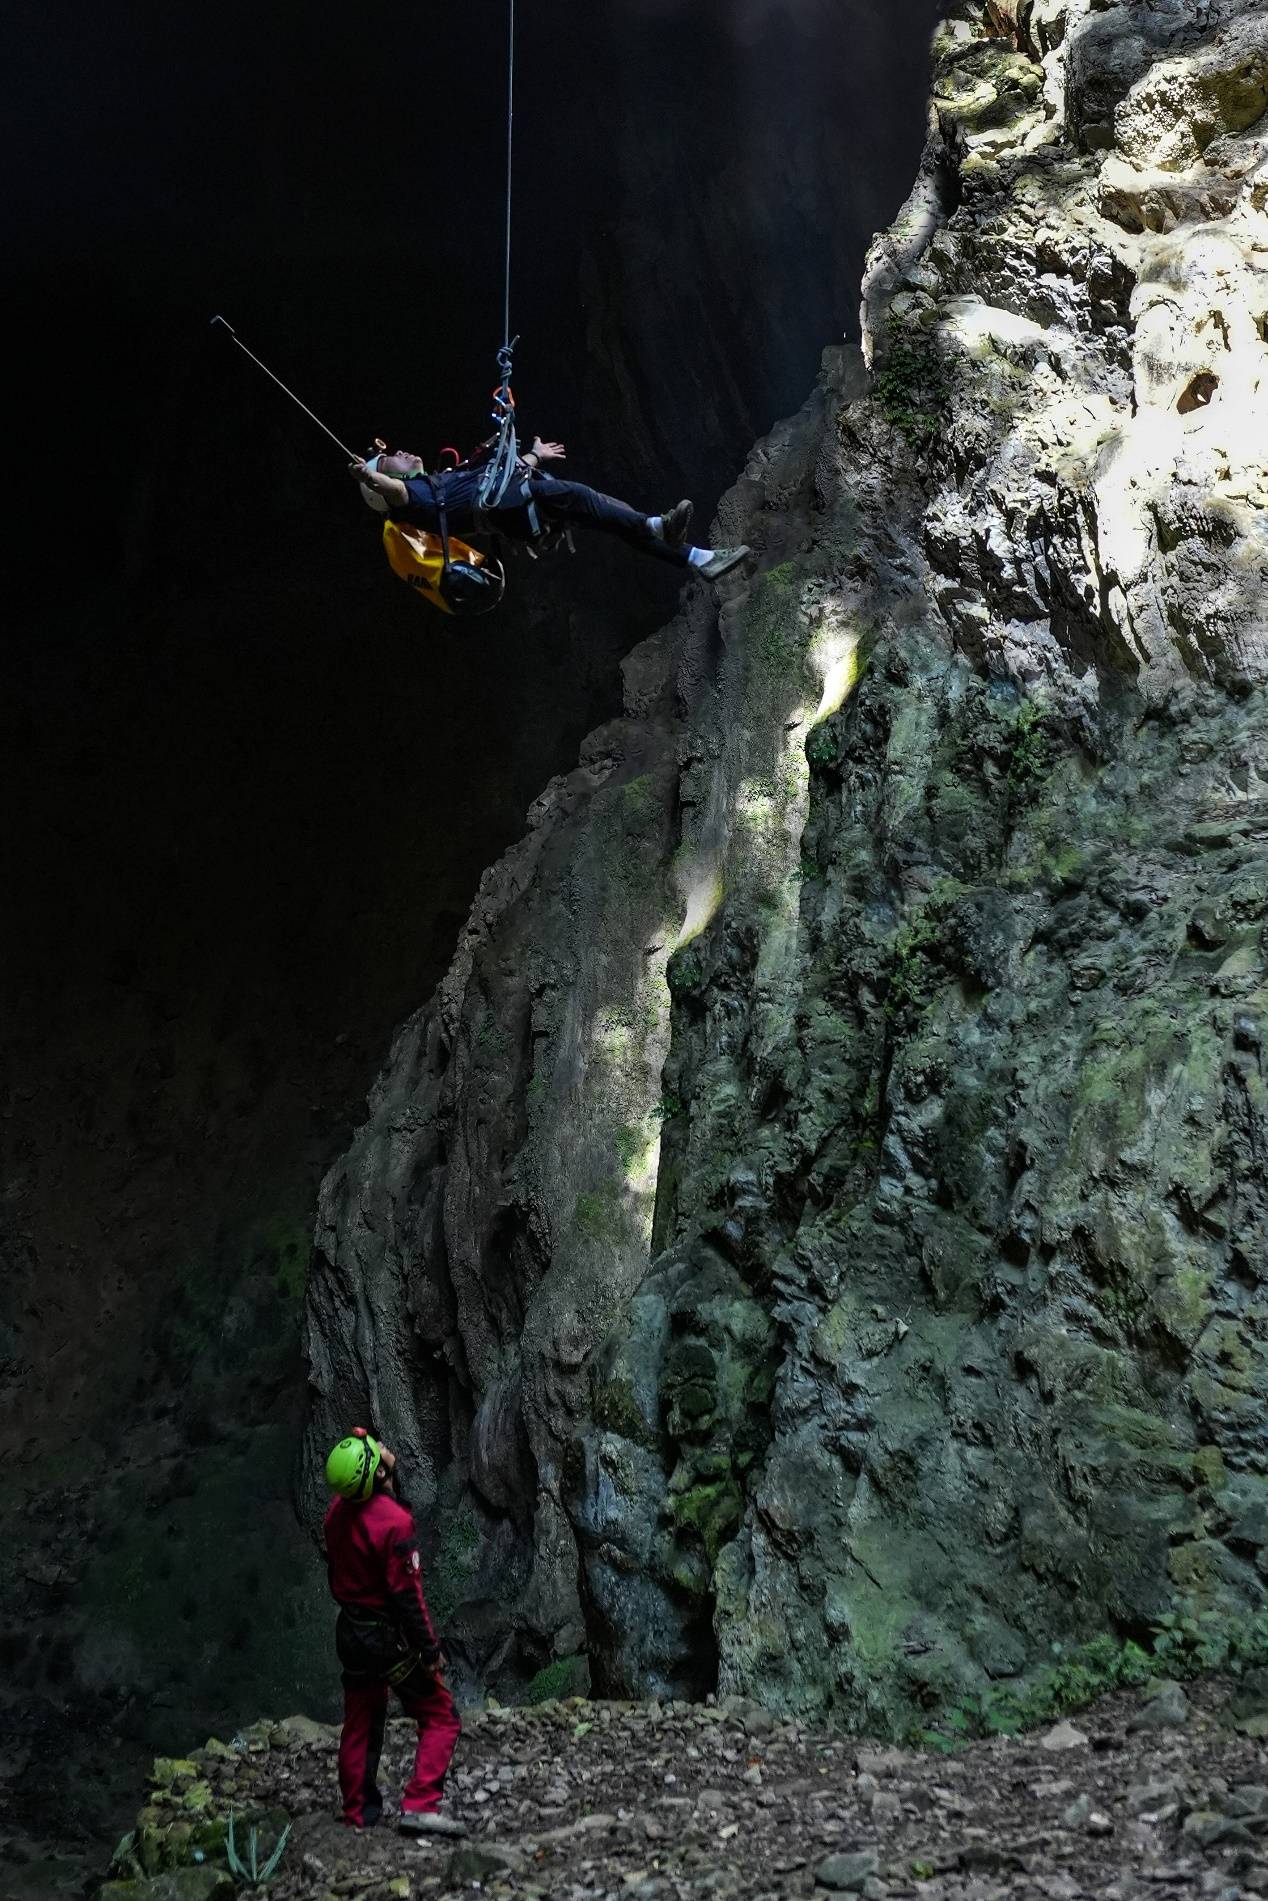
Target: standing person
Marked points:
385	1640
399	486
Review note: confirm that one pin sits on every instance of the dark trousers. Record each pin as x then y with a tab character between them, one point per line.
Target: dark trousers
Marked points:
572	505
365	1698
560	504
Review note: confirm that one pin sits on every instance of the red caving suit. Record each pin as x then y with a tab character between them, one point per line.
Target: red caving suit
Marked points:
385	1640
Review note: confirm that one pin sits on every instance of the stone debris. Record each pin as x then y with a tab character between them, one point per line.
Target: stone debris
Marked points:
1063	1736
1144	1813
1166	1708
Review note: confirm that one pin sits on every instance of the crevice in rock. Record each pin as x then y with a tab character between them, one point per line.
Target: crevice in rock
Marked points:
1197	392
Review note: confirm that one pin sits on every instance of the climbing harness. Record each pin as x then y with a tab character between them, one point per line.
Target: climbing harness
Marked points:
374	1631
473	583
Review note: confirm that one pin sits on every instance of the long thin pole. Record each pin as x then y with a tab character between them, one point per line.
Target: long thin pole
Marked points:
281	385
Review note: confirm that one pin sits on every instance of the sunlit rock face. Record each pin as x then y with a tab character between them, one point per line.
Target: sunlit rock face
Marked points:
1120	276
814	1241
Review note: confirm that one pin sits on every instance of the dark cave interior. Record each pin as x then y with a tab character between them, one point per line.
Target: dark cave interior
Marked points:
252	784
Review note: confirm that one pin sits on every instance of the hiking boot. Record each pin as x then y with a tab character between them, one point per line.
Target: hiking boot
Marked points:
677	523
429	1822
722	561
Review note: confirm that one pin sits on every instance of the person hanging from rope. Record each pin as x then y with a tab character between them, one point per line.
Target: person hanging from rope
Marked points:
398	486
509	493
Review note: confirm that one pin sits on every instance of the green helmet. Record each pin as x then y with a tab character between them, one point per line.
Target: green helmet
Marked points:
351	1467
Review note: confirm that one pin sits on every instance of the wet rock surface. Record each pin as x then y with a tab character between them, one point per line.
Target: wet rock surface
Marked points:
581	1801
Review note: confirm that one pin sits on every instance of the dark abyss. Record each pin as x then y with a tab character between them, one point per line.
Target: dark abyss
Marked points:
250	785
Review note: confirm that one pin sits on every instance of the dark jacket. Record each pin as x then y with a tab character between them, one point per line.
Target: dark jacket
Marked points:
461	491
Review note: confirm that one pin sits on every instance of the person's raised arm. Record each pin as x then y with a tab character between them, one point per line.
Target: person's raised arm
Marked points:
544	452
388	486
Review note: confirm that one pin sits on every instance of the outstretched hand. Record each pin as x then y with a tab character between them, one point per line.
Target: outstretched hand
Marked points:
548	451
386	1457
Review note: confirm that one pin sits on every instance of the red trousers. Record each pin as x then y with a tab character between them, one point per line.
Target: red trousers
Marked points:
365	1699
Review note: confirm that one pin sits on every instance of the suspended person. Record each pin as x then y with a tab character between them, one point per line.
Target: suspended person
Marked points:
384	1640
399	486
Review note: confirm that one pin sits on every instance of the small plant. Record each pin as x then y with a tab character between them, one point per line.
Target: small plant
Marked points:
490	1038
684	972
1187	1645
597	1217
1032	758
250	1871
631	1142
914	385
821	747
1184	1645
913	976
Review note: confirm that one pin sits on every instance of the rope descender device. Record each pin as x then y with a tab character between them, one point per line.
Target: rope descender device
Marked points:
503	468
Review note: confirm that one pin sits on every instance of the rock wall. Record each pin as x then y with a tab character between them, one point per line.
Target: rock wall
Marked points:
813	1243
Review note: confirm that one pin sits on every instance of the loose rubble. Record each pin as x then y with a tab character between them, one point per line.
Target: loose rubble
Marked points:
588	1801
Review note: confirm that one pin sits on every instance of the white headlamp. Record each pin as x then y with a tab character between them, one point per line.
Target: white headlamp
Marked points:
368	495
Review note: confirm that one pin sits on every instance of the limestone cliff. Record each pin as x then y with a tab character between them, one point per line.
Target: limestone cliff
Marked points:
814	1240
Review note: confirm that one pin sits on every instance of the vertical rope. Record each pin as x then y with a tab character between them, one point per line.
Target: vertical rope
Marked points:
504	462
510	140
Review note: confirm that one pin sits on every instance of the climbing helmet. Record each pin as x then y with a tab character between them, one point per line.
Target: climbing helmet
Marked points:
351	1467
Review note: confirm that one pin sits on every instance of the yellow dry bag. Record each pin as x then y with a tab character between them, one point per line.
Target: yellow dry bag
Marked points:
454	577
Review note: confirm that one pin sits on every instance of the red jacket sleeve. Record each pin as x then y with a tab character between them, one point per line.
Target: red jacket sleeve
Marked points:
405	1589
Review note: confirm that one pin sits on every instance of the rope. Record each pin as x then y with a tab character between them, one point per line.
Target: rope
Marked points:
510	138
281	385
504	462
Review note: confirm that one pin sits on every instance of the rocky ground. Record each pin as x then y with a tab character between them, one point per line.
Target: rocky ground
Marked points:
1161	1795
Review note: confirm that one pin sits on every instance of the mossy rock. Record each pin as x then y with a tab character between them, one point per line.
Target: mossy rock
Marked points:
179	1884
169	1770
565	1677
712	1512
617	1410
158	1848
302	1731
